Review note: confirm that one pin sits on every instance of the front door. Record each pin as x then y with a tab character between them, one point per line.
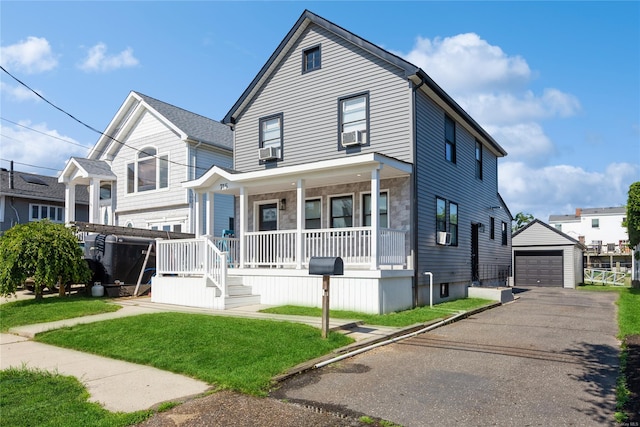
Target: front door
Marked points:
475	276
268	217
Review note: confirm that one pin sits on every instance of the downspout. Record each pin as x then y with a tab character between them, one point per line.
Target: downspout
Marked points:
414	202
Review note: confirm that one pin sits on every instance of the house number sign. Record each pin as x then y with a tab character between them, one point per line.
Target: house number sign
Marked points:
224	186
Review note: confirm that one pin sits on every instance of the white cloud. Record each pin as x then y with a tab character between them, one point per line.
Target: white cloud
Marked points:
560	189
32	148
31	56
17	93
98	60
525	142
453	60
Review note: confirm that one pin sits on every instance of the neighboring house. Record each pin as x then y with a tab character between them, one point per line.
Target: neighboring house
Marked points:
136	169
342	148
545	256
601	231
26	197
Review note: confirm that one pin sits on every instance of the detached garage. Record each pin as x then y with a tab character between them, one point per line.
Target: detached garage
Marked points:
544	256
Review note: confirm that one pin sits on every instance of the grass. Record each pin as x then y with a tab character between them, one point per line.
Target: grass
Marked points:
230	353
45	399
628	324
399	319
32	311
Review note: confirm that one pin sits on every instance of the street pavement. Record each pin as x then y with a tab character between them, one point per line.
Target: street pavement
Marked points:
548	359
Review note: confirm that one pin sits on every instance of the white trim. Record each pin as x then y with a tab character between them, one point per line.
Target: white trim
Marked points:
306	199
363	193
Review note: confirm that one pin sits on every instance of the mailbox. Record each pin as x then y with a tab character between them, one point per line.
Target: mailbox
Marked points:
326	266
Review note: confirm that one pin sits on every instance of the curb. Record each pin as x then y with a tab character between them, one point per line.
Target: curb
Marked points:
310	364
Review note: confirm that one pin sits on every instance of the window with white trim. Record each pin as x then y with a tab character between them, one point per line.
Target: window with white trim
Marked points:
52	213
149	172
341	211
383	208
313	214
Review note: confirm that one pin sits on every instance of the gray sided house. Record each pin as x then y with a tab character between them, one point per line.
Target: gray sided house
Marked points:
545	256
342	148
26	197
136	169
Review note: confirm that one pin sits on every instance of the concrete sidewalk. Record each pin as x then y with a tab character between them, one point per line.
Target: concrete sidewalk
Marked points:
127	387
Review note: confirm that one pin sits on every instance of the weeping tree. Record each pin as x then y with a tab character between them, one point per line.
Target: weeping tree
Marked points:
47	252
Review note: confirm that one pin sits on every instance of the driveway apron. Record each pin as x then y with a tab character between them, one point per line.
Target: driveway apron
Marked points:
549	358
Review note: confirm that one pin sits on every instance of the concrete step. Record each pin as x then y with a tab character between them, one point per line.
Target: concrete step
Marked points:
240	301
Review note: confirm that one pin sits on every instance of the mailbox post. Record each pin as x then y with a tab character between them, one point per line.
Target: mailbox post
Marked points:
326	267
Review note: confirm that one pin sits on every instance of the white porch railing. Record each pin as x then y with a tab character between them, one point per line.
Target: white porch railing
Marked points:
210	257
188	257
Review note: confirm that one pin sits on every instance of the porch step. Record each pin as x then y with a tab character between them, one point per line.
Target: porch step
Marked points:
240	301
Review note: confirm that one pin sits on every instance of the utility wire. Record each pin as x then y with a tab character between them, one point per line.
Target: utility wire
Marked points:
40	132
27	164
91	127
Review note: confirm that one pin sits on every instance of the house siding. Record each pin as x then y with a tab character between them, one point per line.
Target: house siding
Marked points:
311	131
150	132
437	177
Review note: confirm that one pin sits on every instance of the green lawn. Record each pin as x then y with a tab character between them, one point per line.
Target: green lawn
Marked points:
399	319
32	311
228	352
44	399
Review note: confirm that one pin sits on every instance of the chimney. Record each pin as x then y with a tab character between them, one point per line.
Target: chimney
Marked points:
11	175
578	212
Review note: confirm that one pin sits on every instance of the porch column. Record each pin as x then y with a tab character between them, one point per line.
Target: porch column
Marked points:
197	207
94	201
69	202
242	225
210	224
375	216
300	219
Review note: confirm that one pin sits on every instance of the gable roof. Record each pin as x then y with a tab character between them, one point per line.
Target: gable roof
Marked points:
548	227
82	170
37	187
412	72
187	125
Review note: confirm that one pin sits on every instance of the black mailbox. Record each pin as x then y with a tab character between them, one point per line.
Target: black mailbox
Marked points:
326	266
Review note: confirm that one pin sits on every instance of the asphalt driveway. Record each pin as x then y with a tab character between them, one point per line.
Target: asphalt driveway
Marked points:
550	358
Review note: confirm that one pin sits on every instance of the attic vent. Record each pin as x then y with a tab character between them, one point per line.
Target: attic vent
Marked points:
33	180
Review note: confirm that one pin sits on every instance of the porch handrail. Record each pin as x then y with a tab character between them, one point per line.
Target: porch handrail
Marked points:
198	256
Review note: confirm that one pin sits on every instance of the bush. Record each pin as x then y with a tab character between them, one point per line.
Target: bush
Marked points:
48	252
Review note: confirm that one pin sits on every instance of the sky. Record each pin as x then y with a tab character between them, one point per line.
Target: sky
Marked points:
557	84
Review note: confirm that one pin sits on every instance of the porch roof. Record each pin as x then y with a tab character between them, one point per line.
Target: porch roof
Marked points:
81	171
316	174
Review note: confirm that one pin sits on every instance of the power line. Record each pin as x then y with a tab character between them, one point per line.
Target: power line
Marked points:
40	132
27	164
91	127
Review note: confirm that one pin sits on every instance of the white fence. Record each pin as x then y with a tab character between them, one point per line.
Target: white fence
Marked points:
605	277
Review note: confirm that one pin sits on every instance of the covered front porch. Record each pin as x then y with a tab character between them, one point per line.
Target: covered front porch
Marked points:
364	219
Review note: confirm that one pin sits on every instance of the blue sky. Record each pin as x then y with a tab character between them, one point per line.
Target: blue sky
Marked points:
556	83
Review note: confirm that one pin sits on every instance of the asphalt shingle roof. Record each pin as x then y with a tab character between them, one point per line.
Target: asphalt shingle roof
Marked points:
24	186
196	127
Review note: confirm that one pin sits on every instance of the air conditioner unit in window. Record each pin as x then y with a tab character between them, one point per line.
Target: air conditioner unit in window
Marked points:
355	137
267	153
444	238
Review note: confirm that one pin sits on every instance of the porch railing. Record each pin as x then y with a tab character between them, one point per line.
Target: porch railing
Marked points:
188	257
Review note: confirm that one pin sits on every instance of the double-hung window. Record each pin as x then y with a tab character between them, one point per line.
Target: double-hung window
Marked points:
341	211
354	119
311	59
149	172
312	214
383	208
449	139
271	132
478	159
447	218
453	223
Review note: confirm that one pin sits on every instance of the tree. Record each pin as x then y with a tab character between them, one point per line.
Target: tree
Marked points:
521	220
48	252
633	214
